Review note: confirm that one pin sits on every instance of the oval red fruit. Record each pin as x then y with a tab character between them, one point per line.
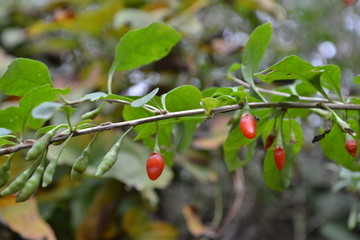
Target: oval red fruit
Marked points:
351	147
155	165
348	2
269	140
279	157
248	125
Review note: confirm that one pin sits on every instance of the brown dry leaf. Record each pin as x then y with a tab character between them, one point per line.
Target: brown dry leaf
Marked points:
216	134
193	221
23	218
224	47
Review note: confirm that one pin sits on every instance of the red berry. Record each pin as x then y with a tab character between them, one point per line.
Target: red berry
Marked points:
351	147
155	165
279	157
248	125
269	140
348	2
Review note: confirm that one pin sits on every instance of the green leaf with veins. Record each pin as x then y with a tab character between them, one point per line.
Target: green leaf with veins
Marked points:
331	78
23	75
39	95
11	118
293	67
254	51
143	46
290	68
145	99
183	98
209	103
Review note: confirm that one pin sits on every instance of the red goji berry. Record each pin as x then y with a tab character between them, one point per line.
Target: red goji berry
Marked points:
155	165
248	125
269	140
351	147
279	157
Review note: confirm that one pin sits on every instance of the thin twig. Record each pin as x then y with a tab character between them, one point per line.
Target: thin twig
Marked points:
239	188
223	109
152	108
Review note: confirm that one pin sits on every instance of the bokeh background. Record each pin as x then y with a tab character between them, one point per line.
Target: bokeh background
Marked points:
197	198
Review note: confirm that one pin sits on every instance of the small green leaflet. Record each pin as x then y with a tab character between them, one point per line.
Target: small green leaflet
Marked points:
45	110
145	99
95	96
357	79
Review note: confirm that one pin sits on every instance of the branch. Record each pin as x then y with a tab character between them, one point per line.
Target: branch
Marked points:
146	106
229	108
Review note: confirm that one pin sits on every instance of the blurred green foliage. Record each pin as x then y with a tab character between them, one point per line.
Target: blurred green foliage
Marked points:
76	40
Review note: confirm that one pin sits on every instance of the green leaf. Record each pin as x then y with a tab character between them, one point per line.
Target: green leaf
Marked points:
130	113
35	97
39	95
290	68
46	129
94	96
209	103
315	81
208	92
333	146
183	98
254	51
6	142
143	46
45	110
23	75
331	78
293	67
118	97
231	158
4	131
183	134
357	79
151	128
234	67
11	118
145	99
291	98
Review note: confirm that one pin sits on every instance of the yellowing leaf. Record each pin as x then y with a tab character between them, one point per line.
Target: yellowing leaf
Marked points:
158	231
92	22
137	224
23	218
194	223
